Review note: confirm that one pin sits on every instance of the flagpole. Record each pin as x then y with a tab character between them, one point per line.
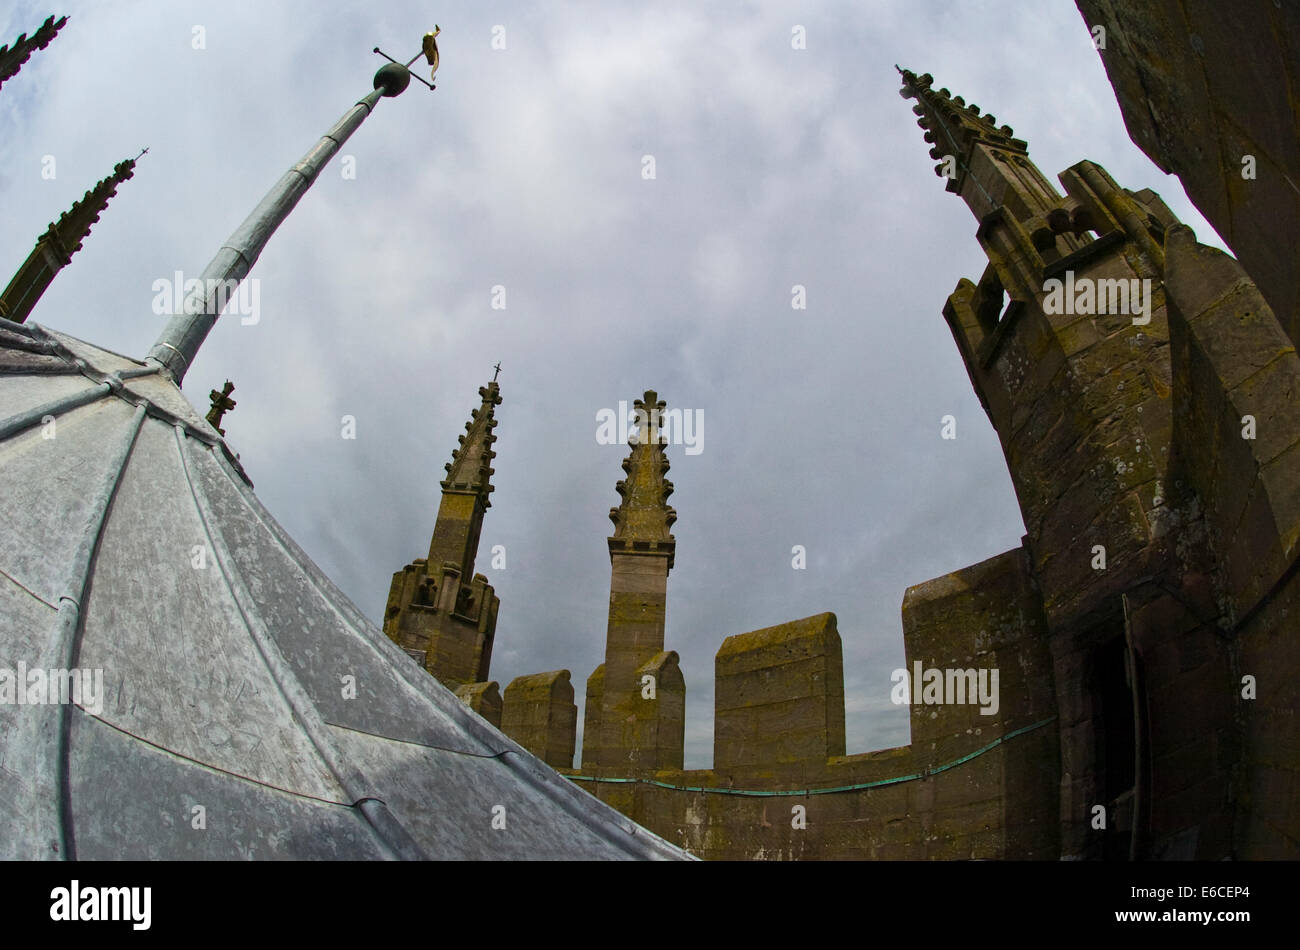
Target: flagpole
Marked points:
180	340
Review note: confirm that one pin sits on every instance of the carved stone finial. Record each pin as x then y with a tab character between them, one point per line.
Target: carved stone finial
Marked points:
221	404
643	519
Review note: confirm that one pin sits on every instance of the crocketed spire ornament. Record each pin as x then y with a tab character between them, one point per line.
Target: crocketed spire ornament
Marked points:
470	468
642	521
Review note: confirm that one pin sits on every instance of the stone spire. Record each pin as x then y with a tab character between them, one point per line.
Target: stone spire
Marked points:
643	518
439	610
54	248
470	466
951	125
636	699
467	489
983	161
12	58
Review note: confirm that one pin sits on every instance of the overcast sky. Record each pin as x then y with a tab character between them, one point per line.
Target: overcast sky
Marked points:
774	166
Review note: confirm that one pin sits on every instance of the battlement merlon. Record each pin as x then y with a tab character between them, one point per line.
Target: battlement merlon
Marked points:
1236	432
539	713
482	698
646	727
779	698
593	755
983	630
662	737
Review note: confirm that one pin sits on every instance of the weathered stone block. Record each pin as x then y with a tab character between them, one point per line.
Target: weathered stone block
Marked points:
788	678
538	712
484	699
591	720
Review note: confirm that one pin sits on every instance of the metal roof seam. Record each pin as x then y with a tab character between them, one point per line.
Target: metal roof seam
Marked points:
168	417
116	382
572	799
27	340
390	832
53	346
47	343
26	590
18	329
22	421
53	336
97	517
43	370
422	745
578	802
418	679
208	766
67	645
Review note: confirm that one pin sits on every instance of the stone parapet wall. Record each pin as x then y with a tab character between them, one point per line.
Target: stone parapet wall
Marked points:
971	784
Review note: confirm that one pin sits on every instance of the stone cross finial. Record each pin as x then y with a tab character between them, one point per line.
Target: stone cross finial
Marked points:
221	404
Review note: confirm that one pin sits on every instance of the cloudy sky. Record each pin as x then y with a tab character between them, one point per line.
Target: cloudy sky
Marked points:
773	167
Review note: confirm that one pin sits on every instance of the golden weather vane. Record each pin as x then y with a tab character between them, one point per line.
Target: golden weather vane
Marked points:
428	49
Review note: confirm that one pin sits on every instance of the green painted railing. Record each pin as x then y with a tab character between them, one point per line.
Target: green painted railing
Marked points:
763	793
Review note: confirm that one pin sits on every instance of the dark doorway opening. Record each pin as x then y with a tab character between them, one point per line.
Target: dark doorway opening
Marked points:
1116	731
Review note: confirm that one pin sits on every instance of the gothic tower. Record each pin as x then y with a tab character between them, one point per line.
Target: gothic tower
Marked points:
1066	339
435	611
54	248
636	699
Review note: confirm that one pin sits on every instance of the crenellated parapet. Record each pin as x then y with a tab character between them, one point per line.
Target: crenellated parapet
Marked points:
779	715
978	781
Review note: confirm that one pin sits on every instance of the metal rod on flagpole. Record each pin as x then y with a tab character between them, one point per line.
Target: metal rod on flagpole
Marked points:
180	340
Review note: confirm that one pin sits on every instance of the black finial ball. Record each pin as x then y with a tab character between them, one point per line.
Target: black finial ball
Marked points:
392	78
